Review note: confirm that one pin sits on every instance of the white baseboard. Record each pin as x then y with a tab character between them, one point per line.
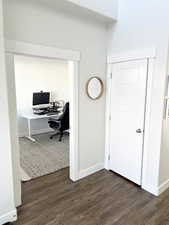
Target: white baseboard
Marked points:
164	186
152	190
90	170
157	190
8	217
35	132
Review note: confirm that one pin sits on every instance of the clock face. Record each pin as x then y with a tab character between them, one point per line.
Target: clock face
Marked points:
94	88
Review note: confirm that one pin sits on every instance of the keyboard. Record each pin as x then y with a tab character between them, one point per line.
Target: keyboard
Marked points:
51	113
39	113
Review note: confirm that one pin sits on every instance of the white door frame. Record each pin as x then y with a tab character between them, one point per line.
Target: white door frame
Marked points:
22	48
148	54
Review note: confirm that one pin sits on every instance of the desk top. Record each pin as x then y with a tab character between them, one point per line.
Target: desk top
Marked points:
32	116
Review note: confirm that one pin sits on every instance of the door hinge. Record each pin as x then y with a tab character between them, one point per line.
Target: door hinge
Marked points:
109	157
109	117
111	76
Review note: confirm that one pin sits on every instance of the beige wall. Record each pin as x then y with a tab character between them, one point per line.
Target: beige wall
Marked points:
51	25
106	8
36	74
6	177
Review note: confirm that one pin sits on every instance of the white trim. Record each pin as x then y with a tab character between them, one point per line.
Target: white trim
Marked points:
14	47
13	127
124	58
152	190
164	186
157	190
133	55
107	127
25	48
8	217
147	133
74	116
91	170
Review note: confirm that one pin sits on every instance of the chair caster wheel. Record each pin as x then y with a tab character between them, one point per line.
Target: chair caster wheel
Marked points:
51	137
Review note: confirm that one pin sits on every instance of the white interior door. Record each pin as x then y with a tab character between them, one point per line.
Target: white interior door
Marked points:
128	96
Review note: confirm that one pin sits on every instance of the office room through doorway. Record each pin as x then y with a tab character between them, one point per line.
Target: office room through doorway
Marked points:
42	93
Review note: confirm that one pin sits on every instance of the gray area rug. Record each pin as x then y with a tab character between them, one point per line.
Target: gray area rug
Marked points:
43	156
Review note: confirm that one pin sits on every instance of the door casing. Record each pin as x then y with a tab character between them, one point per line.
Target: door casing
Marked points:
73	57
150	55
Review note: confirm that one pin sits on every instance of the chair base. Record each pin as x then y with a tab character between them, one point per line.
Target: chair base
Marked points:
58	133
54	135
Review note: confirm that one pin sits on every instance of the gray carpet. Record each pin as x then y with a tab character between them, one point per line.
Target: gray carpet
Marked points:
43	156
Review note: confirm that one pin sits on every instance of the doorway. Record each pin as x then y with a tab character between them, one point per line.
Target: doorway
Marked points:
72	57
146	60
128	101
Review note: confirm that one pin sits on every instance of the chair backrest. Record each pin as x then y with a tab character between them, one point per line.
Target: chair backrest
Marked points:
65	118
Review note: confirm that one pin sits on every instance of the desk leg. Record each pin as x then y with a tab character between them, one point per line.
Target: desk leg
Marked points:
29	132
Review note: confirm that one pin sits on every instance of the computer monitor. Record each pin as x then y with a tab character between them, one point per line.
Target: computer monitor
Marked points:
41	98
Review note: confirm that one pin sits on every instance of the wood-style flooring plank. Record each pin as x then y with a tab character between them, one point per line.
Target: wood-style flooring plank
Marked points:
103	198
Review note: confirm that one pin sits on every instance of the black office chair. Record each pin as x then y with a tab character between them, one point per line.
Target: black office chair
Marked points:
61	124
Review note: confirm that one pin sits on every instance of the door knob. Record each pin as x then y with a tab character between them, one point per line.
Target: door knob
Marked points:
139	131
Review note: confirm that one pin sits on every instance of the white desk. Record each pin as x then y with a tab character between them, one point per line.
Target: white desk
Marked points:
31	116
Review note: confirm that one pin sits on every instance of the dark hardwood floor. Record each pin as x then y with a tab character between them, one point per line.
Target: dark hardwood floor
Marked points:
101	199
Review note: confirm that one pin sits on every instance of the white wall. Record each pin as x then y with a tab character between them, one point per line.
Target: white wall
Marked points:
107	8
51	26
164	163
36	74
164	175
143	24
7	208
